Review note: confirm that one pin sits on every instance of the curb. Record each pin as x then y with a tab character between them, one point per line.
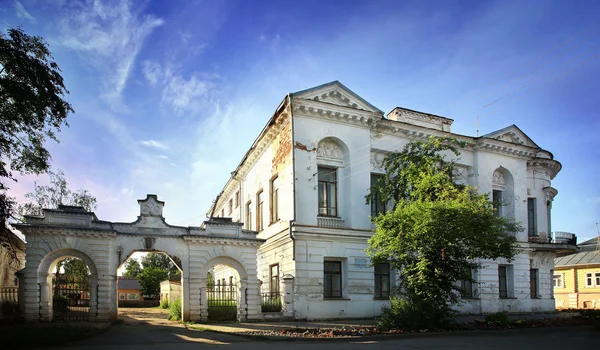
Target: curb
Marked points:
385	337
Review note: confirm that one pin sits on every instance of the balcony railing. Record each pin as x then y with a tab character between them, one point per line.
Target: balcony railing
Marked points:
559	237
271	302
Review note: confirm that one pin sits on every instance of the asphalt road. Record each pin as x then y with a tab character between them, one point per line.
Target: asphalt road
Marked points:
143	336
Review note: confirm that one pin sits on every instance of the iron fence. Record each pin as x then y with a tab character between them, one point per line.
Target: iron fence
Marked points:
222	300
71	299
271	302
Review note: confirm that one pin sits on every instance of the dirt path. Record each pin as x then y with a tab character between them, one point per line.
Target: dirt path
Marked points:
149	316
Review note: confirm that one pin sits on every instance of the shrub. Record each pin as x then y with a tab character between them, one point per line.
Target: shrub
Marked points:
9	309
60	303
164	304
499	318
412	314
175	310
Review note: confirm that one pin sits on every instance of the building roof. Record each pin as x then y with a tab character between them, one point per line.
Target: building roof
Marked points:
580	258
129	283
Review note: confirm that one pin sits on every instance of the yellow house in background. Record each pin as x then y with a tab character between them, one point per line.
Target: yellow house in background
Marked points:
577	277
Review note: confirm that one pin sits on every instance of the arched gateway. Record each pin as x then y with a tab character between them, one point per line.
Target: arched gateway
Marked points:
103	246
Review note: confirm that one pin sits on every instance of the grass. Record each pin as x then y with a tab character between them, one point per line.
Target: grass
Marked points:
27	336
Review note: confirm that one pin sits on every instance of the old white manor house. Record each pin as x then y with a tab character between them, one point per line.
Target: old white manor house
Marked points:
302	187
292	222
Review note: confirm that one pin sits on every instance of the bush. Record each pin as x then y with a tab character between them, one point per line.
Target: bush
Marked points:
412	315
164	304
60	303
175	310
9	309
499	318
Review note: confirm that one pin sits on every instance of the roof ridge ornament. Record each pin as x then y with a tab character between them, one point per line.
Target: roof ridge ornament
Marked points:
151	206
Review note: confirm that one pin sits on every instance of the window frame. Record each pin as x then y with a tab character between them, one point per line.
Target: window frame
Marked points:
274	199
497	198
230	204
557	277
377	276
122	296
237	199
534	283
136	296
466	285
260	203
275	290
249	215
377	206
332	274
532	227
328	208
502	295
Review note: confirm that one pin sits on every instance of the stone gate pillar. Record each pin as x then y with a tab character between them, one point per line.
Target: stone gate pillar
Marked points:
93	297
287	291
243	307
46	298
185	298
203	302
253	300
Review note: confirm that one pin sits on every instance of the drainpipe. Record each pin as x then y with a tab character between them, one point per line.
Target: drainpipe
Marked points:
289	96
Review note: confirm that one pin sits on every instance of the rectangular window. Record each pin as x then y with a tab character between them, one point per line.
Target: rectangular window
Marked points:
230	206
332	280
259	210
497	202
122	296
502	279
274	279
597	275
558	280
466	284
249	215
532	217
382	280
133	296
588	280
237	199
274	198
327	191
223	212
377	205
533	283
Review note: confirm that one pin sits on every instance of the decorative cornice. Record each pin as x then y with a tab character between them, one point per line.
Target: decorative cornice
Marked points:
551	165
238	241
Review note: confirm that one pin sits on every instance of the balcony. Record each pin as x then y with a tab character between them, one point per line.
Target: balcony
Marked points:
333	222
559	242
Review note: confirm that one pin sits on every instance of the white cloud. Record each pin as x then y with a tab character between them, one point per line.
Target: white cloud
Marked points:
22	12
109	35
152	72
162	156
154	144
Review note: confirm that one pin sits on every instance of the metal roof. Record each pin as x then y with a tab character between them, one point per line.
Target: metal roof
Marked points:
127	283
582	258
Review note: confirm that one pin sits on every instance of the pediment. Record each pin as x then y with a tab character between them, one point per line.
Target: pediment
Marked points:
513	135
336	93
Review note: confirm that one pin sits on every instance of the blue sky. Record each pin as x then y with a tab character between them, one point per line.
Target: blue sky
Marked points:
169	95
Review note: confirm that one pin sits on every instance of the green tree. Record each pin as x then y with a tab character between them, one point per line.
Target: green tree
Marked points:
150	279
75	268
163	262
133	268
435	232
32	109
55	194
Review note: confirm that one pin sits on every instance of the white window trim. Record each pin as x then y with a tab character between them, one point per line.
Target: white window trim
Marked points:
560	277
593	276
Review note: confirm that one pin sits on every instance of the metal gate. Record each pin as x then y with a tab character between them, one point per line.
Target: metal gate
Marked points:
70	299
222	302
